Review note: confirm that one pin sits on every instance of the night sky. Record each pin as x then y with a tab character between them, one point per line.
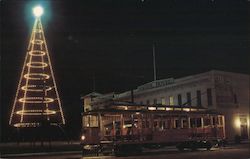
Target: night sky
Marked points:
111	41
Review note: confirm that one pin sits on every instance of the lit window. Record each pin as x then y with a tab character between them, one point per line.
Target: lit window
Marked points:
171	100
151	108
163	101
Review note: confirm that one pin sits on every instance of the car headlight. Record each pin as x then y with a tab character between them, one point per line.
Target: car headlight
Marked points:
83	137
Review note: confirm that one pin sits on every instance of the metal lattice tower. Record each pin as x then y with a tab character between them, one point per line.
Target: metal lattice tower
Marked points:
37	99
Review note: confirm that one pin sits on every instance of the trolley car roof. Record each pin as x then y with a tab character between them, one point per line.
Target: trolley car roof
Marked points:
127	108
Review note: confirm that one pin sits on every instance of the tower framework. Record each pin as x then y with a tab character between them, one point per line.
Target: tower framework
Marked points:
37	99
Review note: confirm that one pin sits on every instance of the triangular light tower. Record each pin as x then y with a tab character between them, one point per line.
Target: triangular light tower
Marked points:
37	100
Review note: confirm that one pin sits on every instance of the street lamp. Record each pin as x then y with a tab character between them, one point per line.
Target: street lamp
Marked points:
37	11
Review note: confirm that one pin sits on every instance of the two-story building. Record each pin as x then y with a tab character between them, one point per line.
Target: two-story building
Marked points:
225	92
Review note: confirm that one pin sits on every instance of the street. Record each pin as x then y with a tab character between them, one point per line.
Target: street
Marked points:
230	152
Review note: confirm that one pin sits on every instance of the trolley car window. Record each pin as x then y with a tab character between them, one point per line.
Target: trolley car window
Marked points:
198	122
220	121
147	124
195	122
192	122
206	121
168	124
215	121
143	124
177	123
162	125
90	121
184	123
155	124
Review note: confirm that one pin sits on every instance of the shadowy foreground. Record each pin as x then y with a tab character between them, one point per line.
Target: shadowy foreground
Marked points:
230	152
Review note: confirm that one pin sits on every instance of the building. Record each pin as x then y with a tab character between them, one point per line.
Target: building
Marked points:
225	92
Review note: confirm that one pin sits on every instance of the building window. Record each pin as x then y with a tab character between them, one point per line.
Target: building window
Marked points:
148	102
141	102
188	98
235	99
171	100
198	93
155	101
209	97
163	101
179	100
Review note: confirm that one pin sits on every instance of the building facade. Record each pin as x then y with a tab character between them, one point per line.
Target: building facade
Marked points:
225	92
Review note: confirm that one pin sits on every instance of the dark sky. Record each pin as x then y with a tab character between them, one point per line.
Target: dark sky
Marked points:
112	40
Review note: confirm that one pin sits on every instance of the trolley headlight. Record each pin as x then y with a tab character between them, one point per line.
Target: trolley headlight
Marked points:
83	137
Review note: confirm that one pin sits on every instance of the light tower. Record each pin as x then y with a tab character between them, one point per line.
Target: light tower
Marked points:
37	99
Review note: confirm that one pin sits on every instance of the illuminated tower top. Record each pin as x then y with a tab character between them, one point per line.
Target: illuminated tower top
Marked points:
37	100
38	11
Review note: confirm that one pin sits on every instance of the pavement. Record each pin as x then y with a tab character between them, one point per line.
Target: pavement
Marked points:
37	149
241	151
62	148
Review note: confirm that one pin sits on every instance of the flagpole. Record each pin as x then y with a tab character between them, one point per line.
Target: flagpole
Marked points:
154	65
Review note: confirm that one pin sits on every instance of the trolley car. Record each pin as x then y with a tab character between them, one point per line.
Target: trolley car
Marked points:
123	128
